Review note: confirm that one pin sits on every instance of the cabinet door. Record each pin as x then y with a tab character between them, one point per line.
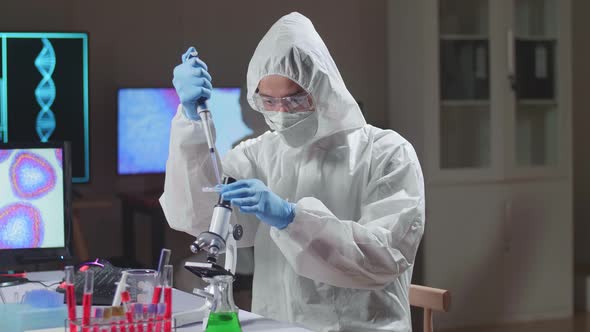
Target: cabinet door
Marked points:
504	251
539	254
468	135
463	251
464	85
538	64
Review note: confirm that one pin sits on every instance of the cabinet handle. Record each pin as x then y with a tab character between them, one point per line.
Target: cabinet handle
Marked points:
511	59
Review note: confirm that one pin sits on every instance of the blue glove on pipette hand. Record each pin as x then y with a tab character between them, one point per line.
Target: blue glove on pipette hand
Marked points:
252	196
191	81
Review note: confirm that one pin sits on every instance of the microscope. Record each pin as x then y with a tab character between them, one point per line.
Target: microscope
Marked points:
220	238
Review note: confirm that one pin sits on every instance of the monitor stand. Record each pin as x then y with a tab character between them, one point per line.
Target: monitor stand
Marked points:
6	281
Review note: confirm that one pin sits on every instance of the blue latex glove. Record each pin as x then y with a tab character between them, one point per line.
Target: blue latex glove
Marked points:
252	196
191	81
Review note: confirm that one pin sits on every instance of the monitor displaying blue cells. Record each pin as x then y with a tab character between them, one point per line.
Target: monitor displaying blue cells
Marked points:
44	92
144	119
31	198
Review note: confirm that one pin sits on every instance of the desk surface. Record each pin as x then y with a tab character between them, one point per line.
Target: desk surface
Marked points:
183	301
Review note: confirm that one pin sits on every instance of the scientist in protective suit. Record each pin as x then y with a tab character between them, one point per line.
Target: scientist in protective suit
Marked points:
333	206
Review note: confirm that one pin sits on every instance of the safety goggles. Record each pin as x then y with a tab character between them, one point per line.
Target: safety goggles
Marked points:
300	102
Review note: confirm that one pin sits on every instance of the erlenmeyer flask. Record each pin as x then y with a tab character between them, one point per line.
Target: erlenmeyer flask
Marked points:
224	313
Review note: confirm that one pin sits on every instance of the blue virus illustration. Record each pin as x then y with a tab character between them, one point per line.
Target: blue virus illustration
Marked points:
4	154
31	176
21	226
59	156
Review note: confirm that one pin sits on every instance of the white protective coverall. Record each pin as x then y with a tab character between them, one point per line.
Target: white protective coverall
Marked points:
345	262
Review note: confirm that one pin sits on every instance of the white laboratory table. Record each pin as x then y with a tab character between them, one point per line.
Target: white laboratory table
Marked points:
182	301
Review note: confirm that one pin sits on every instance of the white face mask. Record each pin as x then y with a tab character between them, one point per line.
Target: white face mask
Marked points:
295	129
280	121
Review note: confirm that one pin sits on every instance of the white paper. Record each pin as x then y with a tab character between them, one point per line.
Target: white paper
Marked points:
541	62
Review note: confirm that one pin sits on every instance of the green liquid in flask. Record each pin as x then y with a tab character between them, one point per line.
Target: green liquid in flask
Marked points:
223	322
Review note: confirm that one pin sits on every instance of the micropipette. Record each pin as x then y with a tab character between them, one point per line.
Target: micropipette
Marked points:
207	123
207	127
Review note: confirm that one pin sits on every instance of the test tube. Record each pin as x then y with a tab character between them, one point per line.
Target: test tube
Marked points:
71	297
108	312
160	316
164	260
87	298
119	318
98	314
167	284
138	308
128	307
151	315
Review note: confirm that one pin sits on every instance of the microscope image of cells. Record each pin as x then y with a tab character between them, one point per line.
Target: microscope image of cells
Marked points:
4	154
21	226
59	156
31	176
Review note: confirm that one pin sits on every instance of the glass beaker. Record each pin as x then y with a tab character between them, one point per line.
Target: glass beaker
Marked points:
141	283
224	313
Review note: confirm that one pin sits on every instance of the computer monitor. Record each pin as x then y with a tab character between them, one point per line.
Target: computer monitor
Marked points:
144	118
44	92
35	209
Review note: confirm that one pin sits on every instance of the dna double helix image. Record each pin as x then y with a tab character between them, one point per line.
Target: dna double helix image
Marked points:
45	91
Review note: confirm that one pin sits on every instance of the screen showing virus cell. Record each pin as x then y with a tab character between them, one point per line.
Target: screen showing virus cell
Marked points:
31	198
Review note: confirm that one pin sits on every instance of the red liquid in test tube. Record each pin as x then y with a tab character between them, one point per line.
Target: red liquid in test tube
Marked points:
157	294
86	305
128	308
87	299
151	314
167	284
164	260
71	297
168	301
160	316
107	318
138	310
98	314
130	321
